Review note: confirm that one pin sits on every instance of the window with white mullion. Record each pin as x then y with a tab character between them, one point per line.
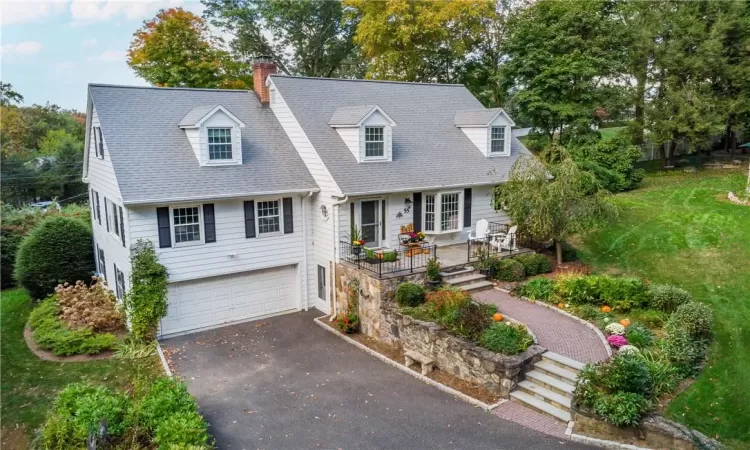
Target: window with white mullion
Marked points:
186	224
269	216
429	212
374	142
114	218
219	144
449	212
497	140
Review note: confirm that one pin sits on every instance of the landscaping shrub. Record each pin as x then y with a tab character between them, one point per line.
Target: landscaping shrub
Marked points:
447	299
534	264
508	339
146	302
623	409
78	409
664	375
637	334
509	270
536	289
650	317
621	293
667	298
92	306
471	320
165	397
695	318
52	334
181	430
410	294
626	373
588	312
577	289
686	353
57	251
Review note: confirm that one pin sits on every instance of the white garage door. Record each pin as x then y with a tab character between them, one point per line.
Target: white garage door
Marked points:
210	302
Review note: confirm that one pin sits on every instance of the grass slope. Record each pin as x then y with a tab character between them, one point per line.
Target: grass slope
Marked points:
681	230
28	384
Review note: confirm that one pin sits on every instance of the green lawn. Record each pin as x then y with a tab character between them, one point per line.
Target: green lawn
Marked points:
679	229
609	133
28	384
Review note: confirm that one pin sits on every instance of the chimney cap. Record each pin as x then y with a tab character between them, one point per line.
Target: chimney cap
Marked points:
264	59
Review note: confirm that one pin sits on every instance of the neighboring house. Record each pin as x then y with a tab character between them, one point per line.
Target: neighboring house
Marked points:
247	196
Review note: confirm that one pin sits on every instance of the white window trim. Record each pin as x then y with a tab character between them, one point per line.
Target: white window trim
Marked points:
114	223
258	234
119	274
233	159
438	212
172	225
384	141
506	141
381	243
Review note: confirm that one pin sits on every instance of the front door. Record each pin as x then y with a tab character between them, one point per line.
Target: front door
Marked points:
370	220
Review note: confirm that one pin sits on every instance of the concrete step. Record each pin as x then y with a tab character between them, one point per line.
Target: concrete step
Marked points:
540	405
466	279
477	286
554	384
458	273
556	371
548	395
563	361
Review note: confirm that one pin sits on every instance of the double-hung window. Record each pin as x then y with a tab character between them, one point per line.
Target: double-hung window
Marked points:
119	283
442	212
186	222
269	216
497	140
219	144
374	142
114	219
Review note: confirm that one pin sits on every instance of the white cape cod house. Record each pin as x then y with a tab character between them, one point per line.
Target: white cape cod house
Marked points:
250	196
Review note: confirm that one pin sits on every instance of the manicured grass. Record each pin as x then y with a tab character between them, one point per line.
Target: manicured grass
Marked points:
609	133
679	229
29	384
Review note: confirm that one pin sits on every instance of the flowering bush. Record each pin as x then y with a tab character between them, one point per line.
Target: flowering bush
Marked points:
617	341
615	329
347	321
92	306
629	349
358	242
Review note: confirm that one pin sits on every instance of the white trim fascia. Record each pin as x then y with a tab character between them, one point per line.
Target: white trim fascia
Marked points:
87	136
208	115
217	197
375	108
492	119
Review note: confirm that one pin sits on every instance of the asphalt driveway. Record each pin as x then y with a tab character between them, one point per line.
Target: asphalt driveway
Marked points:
285	383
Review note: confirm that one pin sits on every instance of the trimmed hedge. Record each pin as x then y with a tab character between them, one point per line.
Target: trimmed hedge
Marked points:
534	264
57	251
508	339
410	294
621	293
695	318
52	334
667	298
509	270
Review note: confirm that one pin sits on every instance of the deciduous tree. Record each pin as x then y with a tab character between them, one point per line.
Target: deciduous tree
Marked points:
8	95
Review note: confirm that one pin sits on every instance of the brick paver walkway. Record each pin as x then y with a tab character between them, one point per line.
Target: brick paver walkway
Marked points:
529	418
554	331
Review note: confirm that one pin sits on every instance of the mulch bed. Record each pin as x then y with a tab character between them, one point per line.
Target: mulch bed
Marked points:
49	356
397	354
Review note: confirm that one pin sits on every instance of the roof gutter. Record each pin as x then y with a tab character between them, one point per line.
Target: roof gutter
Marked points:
307	191
421	189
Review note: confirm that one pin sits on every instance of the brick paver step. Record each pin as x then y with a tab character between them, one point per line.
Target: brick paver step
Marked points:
540	405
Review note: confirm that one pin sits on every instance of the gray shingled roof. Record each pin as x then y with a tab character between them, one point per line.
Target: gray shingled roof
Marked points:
154	161
475	116
195	115
349	115
428	150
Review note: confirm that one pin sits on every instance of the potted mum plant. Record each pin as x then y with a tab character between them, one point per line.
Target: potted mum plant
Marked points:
357	241
433	273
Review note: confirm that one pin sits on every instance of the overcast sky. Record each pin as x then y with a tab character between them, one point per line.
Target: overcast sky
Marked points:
51	50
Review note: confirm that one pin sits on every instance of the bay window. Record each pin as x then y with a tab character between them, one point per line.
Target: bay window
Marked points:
442	212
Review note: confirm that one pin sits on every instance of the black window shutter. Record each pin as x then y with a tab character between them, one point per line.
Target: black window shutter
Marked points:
352	221
467	207
101	142
417	211
122	226
382	219
209	222
165	235
96	140
287	206
250	219
106	213
117	285
98	209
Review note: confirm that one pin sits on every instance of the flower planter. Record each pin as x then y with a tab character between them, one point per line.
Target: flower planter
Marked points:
356	250
433	284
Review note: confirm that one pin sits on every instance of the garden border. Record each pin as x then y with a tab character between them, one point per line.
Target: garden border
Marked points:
559	311
163	359
448	390
46	355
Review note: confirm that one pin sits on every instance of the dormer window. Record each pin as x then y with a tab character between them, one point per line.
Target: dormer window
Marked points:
219	143
367	130
497	144
374	142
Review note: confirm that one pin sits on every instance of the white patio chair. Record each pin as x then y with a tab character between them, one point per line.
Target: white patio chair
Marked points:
481	231
506	241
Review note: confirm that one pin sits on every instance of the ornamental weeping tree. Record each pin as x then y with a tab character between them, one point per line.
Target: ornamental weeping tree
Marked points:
554	201
146	303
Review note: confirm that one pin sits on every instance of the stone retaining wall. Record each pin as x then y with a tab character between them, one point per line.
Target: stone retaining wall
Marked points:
495	372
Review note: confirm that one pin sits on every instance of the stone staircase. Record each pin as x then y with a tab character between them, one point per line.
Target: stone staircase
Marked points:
468	279
549	387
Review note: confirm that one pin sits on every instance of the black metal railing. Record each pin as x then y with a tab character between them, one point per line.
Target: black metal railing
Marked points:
386	261
519	242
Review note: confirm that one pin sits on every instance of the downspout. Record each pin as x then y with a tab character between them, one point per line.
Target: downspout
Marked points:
304	252
335	244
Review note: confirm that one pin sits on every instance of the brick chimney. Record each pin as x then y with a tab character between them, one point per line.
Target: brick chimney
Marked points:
262	68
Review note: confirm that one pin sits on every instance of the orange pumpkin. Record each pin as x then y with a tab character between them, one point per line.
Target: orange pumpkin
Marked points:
625	322
561	305
497	317
606	309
